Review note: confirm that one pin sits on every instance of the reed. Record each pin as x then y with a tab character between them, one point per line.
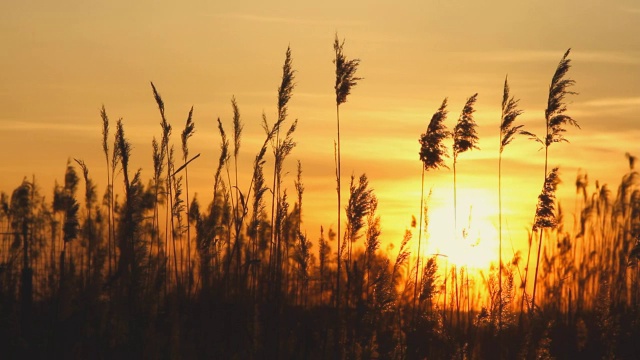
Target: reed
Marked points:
281	148
556	119
165	154
88	228
432	154
345	80
508	131
465	138
189	130
105	149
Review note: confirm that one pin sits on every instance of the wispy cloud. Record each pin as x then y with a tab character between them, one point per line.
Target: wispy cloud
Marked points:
631	10
613	102
281	20
8	125
607	57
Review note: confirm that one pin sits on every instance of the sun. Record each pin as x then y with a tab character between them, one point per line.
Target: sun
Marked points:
475	243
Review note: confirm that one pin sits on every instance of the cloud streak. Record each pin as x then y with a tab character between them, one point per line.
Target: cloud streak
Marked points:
283	20
606	57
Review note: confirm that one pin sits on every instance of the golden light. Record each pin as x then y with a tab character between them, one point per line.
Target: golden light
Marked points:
476	243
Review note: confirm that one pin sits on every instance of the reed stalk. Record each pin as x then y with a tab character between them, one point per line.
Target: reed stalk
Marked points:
508	131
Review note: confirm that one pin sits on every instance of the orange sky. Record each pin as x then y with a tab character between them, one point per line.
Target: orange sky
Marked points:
61	61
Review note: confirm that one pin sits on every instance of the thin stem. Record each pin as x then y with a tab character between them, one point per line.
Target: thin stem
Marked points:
535	279
186	183
500	236
415	290
339	221
455	199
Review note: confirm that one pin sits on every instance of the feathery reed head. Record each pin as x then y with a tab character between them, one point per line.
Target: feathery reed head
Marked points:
298	182
189	129
345	72
105	131
285	90
90	188
71	222
285	146
115	156
71	179
632	161
403	254
158	160
432	149
545	215
556	107
372	242
510	112
224	154
124	148
465	136
166	127
582	181
428	287
359	205
237	127
158	98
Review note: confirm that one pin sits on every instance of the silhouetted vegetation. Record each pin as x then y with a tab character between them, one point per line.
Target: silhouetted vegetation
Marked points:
232	280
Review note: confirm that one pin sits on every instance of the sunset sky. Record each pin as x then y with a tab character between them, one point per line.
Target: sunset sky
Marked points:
61	61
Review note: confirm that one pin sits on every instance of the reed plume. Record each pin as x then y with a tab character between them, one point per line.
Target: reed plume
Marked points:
285	92
465	138
222	160
345	80
465	135
165	152
105	149
432	154
555	118
508	131
90	198
556	107
127	223
372	240
218	184
358	207
345	72
432	148
545	216
189	130
238	204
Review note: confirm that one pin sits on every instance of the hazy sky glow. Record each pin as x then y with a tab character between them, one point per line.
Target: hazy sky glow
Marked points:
61	61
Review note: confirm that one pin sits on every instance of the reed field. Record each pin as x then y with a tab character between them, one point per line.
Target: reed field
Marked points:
130	264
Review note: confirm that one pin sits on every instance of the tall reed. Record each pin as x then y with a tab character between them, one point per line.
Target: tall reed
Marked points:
105	148
88	229
189	129
432	153
464	138
556	119
240	209
508	131
280	148
345	80
165	154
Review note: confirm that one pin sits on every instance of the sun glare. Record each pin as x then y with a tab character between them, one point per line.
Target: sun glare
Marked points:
475	243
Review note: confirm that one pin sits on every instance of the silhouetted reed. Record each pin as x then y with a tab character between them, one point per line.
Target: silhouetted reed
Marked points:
555	119
508	131
432	153
345	80
255	286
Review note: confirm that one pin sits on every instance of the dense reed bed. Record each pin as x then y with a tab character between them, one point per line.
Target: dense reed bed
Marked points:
153	273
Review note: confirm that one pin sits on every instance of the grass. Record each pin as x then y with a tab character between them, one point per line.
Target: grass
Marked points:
254	285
